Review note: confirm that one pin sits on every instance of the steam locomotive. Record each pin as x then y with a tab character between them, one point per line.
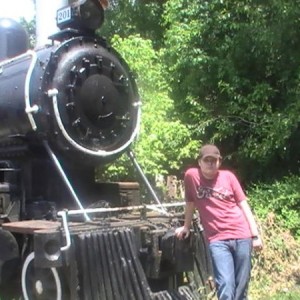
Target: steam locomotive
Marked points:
64	109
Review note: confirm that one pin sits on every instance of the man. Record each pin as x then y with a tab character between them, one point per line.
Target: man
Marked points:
227	220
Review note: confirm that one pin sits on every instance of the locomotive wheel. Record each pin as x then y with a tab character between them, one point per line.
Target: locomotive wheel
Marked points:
40	283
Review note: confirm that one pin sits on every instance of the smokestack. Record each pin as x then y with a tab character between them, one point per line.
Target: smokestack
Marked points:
46	19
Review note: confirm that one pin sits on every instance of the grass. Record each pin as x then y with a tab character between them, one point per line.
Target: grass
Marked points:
289	295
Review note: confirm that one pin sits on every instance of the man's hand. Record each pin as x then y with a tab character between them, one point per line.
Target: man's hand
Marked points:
182	232
257	244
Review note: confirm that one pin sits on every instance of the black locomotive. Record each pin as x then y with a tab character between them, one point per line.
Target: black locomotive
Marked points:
64	109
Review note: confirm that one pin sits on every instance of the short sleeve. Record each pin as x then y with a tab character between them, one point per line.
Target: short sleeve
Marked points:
238	192
189	185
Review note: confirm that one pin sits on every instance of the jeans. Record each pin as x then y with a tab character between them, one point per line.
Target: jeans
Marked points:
231	261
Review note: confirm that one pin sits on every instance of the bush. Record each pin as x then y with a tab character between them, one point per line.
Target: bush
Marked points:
281	198
276	270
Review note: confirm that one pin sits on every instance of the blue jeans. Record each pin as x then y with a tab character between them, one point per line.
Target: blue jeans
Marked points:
231	261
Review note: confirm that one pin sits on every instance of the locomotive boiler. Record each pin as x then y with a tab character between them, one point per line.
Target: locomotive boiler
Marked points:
64	109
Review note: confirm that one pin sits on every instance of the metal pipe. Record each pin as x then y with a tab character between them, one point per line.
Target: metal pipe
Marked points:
145	179
128	208
65	178
30	110
63	215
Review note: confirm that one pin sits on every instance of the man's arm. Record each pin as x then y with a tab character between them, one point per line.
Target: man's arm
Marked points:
184	231
257	242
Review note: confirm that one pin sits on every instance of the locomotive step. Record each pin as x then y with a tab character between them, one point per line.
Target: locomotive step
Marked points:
30	226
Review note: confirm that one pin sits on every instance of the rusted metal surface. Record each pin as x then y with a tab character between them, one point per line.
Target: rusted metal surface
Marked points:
28	227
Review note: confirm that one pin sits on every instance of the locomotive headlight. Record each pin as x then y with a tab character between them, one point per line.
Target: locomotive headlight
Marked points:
82	14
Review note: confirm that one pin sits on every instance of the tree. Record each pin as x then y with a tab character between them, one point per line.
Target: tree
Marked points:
30	27
164	143
130	17
234	72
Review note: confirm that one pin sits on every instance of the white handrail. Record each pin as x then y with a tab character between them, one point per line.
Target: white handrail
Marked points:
29	110
101	153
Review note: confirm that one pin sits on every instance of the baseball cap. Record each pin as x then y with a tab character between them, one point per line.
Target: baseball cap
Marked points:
209	151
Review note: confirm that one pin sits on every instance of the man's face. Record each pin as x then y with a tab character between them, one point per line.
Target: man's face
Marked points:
209	166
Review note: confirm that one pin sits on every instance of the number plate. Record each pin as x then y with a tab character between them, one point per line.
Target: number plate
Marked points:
64	15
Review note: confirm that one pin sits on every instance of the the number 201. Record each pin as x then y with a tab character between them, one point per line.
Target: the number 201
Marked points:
64	15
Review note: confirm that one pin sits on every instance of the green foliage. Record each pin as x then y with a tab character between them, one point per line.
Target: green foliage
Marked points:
275	270
164	142
131	17
234	71
286	295
30	28
280	197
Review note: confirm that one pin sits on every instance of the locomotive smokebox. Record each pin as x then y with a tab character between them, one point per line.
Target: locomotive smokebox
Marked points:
77	94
